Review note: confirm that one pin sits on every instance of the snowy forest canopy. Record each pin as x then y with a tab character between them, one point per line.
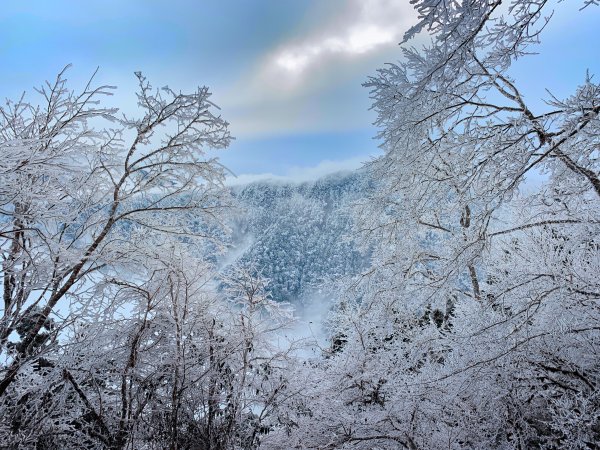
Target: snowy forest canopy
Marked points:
148	306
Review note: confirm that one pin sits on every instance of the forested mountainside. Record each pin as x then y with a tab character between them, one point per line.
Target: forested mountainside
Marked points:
298	235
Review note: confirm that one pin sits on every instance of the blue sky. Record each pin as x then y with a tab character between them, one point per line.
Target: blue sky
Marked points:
286	73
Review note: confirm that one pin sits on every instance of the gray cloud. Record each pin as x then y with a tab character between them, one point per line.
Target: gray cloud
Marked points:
284	90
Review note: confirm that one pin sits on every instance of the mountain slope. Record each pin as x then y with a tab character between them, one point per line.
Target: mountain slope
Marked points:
298	235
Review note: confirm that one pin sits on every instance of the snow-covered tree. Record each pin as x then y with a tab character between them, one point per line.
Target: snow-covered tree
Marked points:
180	368
113	333
478	324
82	191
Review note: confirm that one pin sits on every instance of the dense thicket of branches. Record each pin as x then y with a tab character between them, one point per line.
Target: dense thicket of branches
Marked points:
478	325
112	334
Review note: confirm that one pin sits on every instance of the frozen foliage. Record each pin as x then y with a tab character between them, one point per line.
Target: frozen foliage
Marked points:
111	335
478	325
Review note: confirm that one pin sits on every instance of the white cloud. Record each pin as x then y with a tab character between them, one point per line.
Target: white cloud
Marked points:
300	174
359	39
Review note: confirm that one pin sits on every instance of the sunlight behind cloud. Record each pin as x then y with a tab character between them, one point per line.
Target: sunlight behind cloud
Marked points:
287	84
358	40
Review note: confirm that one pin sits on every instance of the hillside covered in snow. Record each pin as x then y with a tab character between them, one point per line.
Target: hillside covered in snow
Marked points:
298	235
